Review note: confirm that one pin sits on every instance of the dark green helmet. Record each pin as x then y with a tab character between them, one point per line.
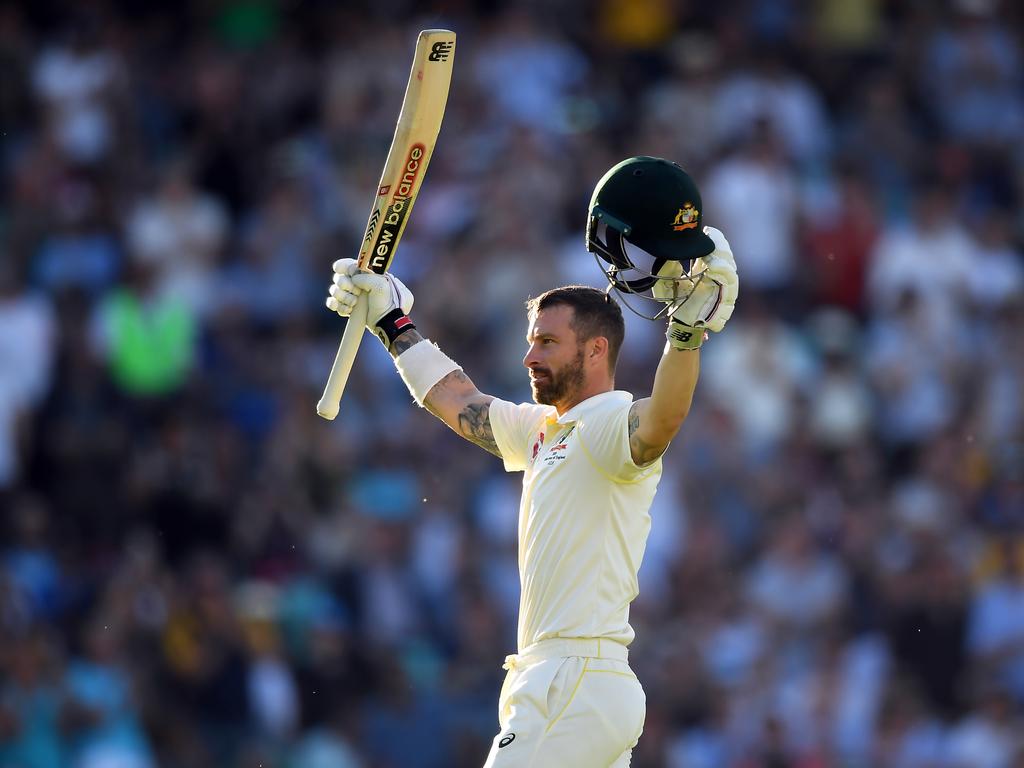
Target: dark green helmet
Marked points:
654	205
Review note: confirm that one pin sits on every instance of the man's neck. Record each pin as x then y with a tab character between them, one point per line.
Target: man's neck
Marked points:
586	394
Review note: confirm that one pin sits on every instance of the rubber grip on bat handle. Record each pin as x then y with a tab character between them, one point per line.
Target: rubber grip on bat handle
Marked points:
331	399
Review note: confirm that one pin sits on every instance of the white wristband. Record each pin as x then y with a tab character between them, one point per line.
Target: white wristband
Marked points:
421	366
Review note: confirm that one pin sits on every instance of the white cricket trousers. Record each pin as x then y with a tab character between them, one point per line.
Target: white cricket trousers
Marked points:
568	703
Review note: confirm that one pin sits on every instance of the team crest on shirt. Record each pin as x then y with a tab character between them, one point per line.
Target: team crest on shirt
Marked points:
556	453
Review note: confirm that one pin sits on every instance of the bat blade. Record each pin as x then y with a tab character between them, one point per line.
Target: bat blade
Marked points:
411	149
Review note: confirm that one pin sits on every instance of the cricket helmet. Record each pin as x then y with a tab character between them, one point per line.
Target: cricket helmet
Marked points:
645	213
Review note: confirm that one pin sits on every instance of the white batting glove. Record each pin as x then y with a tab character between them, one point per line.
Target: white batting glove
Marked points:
389	301
343	292
712	301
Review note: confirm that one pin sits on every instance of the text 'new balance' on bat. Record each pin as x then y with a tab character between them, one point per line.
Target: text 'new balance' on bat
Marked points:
418	125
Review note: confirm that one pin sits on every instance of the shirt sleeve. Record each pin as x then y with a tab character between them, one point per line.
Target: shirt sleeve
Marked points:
605	438
515	427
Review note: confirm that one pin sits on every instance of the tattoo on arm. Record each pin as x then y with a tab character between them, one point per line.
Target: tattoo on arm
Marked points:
634	419
404	341
475	426
474	419
438	391
473	422
643	452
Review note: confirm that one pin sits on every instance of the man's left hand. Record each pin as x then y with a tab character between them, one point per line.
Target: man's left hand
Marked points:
713	299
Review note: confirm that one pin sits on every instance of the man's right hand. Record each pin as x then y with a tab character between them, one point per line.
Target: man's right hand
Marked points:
389	300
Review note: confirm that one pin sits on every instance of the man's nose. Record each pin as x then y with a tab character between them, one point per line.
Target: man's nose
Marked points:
530	358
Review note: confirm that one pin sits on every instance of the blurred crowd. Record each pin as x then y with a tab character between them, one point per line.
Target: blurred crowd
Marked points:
195	570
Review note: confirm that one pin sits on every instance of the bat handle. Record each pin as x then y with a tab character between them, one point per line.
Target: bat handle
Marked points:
331	399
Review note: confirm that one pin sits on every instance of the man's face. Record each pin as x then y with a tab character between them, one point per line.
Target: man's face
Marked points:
555	357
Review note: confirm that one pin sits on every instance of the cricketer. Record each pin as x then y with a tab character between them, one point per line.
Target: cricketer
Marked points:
590	455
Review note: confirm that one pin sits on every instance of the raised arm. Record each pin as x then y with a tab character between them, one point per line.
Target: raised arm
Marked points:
455	400
655	420
435	380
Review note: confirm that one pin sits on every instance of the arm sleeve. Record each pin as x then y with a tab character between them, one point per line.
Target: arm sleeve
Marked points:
605	438
515	427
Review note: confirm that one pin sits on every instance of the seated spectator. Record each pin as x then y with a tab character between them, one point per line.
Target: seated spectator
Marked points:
106	729
932	255
27	348
996	635
972	74
31	702
148	340
180	232
752	195
838	241
796	585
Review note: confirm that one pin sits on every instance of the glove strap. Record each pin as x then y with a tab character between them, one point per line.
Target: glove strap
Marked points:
391	326
682	336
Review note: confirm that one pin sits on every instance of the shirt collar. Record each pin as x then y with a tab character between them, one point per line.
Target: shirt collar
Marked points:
580	410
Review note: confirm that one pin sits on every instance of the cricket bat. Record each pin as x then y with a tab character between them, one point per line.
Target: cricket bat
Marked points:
418	125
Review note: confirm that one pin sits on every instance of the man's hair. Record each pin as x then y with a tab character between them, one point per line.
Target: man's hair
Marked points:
595	313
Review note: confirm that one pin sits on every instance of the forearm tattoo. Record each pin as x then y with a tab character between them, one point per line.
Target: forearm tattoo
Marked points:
438	391
475	426
643	452
404	341
474	420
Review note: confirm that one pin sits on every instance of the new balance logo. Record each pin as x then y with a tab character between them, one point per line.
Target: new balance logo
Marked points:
440	51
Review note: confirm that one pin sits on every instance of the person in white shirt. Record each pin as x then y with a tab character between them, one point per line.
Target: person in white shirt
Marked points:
590	455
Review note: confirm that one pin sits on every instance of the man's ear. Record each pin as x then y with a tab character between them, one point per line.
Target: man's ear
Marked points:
598	348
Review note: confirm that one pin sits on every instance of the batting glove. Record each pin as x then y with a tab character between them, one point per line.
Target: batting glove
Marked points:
388	300
711	302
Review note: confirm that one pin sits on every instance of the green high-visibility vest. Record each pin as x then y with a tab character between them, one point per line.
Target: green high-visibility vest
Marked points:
152	347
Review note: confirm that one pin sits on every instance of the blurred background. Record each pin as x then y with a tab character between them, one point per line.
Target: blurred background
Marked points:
195	570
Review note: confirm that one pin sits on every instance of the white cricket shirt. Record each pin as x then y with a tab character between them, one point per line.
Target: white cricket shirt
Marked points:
584	515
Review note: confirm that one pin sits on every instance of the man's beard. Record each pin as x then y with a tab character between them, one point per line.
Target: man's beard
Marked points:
558	387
